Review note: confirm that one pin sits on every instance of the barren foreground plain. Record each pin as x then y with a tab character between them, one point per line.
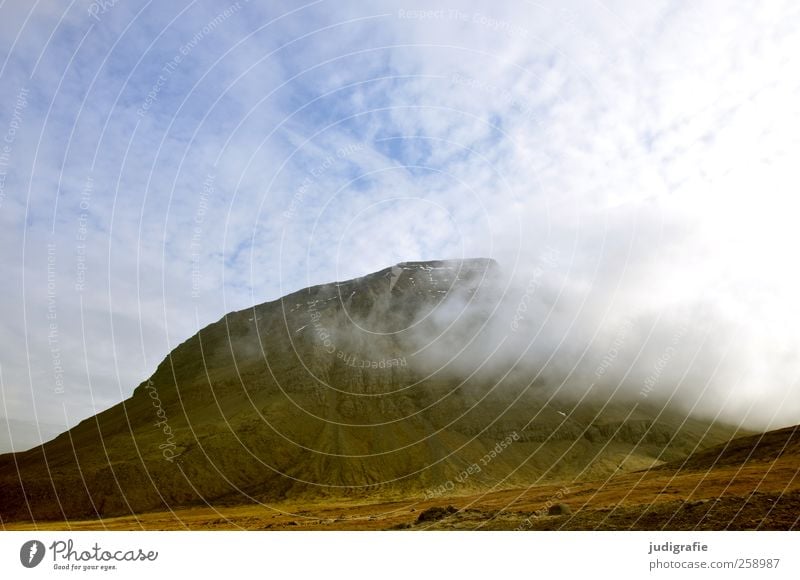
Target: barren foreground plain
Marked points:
750	483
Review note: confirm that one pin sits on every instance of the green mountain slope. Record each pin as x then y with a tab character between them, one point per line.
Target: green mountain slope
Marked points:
329	392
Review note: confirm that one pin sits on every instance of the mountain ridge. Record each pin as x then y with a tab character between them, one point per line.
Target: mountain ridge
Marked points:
329	392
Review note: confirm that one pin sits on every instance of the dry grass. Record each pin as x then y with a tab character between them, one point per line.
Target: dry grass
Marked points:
762	495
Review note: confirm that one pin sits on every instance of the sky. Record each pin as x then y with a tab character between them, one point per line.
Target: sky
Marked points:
631	166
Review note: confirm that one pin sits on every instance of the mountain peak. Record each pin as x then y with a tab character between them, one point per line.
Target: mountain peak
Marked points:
331	391
470	264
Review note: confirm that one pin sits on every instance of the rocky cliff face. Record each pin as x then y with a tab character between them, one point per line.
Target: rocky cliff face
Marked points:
331	391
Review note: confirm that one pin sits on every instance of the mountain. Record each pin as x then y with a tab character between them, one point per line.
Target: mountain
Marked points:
761	448
360	389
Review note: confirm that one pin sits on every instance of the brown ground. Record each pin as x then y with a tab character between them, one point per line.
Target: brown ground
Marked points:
754	495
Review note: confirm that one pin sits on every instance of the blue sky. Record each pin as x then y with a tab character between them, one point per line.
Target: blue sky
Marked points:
653	146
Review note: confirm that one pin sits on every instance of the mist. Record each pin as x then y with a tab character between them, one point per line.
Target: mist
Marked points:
632	308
